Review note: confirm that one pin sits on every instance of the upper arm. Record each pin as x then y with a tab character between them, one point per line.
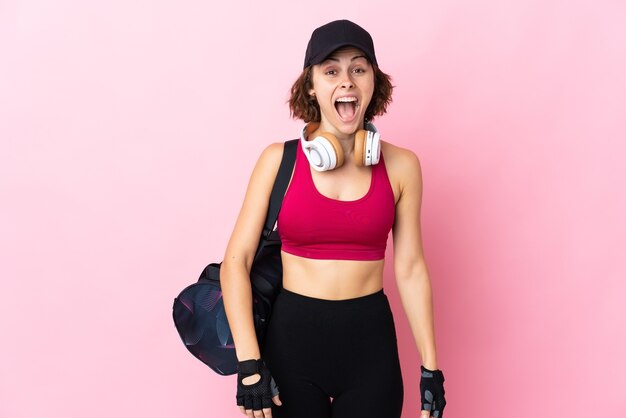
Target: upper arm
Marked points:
407	239
245	236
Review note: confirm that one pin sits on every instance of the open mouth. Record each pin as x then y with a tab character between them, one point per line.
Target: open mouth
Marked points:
346	107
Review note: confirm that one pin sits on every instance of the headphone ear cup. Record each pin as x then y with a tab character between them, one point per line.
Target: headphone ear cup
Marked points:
334	142
375	147
359	147
366	148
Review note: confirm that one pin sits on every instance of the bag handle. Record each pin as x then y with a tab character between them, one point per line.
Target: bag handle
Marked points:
278	190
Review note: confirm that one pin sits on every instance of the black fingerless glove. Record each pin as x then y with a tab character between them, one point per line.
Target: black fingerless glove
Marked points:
259	394
431	388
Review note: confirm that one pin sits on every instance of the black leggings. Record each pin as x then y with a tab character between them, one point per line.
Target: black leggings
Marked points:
344	349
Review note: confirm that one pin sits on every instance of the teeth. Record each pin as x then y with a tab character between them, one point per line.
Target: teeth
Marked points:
347	99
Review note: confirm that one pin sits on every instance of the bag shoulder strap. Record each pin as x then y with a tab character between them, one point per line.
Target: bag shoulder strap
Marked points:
280	187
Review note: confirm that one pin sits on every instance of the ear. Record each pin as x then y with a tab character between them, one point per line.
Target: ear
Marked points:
312	93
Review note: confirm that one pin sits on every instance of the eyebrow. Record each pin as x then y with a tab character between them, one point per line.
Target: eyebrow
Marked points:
331	58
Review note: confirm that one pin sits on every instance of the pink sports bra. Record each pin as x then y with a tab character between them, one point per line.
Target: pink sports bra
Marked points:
312	225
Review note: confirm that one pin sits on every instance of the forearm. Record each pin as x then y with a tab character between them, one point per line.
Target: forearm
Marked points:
416	295
237	294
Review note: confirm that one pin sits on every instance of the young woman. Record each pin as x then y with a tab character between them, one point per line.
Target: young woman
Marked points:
331	345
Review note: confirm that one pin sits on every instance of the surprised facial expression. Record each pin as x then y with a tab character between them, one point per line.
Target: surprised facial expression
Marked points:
343	86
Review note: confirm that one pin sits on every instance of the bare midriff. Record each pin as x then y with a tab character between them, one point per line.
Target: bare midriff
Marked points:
331	279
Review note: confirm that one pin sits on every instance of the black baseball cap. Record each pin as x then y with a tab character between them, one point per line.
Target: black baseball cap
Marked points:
326	39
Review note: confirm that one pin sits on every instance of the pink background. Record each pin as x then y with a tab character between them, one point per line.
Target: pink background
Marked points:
129	130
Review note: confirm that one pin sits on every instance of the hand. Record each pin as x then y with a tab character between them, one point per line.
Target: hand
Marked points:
432	392
256	389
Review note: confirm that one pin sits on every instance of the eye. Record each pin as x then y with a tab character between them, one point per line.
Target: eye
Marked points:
330	72
359	70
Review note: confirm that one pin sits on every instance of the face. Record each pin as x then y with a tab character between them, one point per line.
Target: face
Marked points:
343	86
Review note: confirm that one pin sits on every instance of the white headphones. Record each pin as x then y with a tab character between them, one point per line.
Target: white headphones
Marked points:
325	153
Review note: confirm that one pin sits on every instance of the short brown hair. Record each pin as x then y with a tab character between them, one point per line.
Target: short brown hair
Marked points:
305	107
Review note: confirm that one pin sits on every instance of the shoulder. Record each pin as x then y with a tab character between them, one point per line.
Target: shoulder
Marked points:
403	165
265	170
398	156
272	153
269	159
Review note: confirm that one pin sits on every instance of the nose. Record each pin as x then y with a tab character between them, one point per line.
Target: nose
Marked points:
346	81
